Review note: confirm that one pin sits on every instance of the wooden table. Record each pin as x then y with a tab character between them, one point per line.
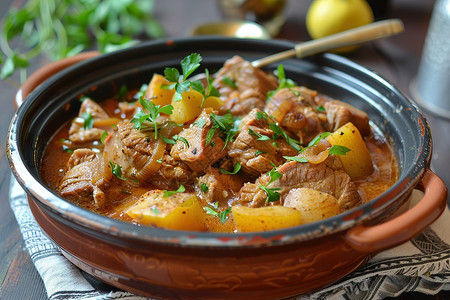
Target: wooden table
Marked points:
395	58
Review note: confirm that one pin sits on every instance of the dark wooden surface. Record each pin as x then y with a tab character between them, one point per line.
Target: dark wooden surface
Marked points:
395	58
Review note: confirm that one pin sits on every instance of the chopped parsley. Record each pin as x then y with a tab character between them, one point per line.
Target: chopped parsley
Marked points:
236	168
320	108
258	152
181	189
153	112
338	150
117	170
88	120
272	193
283	82
296	158
103	136
223	215
204	188
228	81
260	137
225	124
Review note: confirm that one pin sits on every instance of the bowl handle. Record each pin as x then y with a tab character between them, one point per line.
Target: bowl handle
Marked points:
405	226
46	72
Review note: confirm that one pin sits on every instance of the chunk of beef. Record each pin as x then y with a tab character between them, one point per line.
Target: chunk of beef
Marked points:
254	148
340	113
216	187
327	176
296	111
191	146
171	174
77	133
135	150
86	178
252	85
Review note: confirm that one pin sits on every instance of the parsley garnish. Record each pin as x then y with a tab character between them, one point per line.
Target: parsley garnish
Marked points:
204	187
116	170
88	120
236	168
67	149
283	82
320	108
272	193
200	122
180	83
338	150
258	152
154	112
182	139
296	158
315	140
181	189
228	81
103	136
278	131
259	136
223	215
225	124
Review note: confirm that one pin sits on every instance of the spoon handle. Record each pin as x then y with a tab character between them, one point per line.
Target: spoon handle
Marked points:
350	37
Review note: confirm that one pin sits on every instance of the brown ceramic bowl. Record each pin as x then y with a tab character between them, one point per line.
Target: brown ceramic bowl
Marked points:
188	265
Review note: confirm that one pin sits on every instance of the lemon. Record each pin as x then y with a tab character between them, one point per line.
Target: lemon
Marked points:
326	17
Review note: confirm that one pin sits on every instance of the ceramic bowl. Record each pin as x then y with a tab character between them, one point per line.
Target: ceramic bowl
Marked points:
198	265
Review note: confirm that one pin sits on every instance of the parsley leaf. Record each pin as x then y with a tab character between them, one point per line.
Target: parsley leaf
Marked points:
283	82
236	168
204	188
223	215
181	189
272	193
226	124
154	112
259	136
228	81
103	136
338	150
117	170
315	140
296	158
88	120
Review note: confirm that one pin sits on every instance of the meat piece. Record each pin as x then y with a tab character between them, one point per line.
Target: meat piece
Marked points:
216	187
254	147
296	111
191	147
86	178
77	133
252	85
171	174
135	150
340	113
328	177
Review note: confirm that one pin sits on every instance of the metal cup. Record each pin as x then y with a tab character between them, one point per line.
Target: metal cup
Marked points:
432	87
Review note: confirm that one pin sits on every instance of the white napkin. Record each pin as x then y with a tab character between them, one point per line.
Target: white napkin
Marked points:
420	265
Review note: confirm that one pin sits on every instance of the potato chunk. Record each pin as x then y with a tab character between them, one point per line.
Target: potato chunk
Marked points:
157	93
266	218
313	205
189	108
181	211
357	162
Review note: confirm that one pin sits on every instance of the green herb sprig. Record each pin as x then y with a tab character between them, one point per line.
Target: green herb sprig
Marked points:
153	112
226	124
272	193
63	28
222	215
181	189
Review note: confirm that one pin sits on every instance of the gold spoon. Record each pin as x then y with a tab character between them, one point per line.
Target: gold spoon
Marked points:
350	37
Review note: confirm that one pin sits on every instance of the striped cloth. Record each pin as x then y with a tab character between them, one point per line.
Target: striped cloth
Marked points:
421	265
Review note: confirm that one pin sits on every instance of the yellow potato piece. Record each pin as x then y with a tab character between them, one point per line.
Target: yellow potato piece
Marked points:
357	162
248	219
181	211
157	93
313	205
189	107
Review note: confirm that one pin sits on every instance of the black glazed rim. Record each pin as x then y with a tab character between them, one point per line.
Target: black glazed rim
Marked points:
395	115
